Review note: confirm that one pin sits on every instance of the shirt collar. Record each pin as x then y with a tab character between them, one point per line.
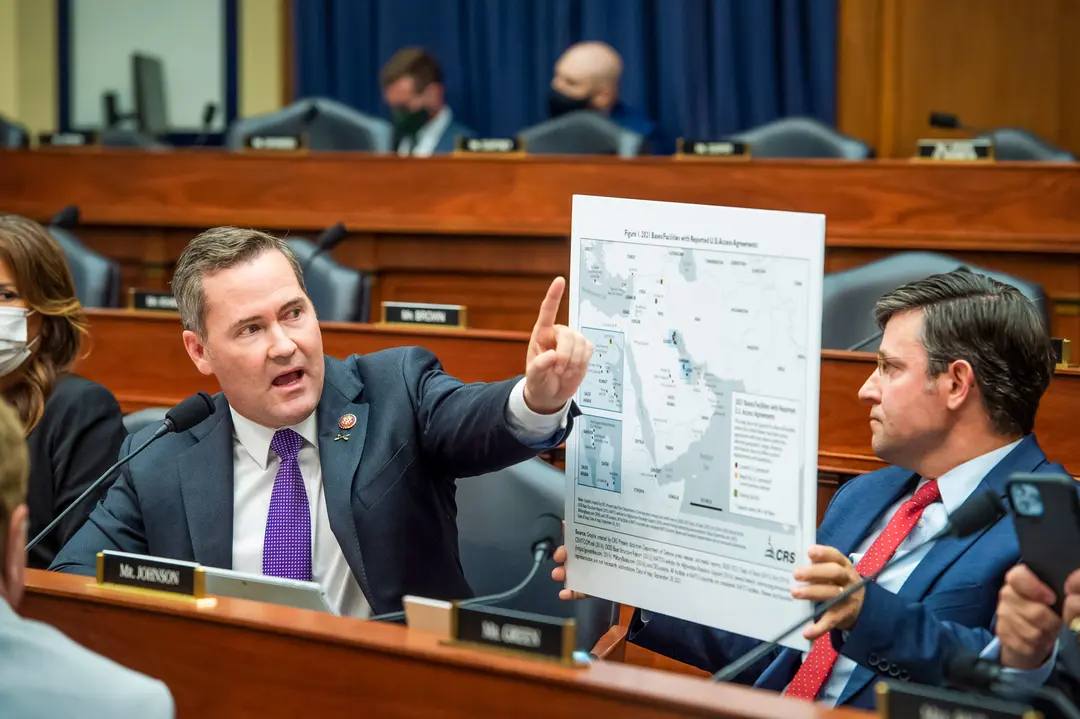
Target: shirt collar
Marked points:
961	481
255	438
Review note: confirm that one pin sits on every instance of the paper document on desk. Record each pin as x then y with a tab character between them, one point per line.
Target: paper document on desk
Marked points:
692	474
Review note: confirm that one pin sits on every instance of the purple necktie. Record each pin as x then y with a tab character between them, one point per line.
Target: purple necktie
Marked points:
287	547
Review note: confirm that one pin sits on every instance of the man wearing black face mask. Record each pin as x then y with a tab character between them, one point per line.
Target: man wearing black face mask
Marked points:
587	77
412	84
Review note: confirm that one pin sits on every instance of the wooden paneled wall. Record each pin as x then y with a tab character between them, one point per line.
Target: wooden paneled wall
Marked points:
995	63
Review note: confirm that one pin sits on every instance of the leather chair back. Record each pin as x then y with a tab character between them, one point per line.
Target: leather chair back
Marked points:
339	293
97	278
329	125
1015	143
151	416
496	516
582	132
802	137
849	296
13	135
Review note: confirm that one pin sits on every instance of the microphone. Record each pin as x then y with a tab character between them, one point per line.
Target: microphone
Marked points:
180	418
865	341
547	528
330	238
66	218
950	121
968	671
980	510
209	111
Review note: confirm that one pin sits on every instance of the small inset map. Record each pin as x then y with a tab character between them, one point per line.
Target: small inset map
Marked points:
601	454
602	387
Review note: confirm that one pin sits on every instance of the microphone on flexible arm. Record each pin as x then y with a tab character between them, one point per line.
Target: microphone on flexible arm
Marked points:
209	111
978	511
547	528
330	238
858	346
950	121
968	671
180	418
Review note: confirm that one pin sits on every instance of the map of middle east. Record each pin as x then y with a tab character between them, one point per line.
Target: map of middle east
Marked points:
685	340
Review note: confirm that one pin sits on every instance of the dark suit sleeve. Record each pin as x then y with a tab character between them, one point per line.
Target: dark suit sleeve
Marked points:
906	635
115	523
695	644
86	441
462	425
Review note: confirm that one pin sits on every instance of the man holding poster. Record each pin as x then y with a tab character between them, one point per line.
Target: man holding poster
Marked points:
963	363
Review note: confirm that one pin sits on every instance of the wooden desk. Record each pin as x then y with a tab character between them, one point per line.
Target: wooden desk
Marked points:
139	356
249	659
490	233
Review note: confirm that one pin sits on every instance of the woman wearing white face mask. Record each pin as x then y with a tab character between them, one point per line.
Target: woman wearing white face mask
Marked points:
74	427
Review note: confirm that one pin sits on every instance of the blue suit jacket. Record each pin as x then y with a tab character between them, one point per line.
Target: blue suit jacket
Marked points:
948	601
389	488
449	137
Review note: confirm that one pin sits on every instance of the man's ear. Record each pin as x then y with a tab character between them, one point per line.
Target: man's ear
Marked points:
603	99
13	579
198	352
960	384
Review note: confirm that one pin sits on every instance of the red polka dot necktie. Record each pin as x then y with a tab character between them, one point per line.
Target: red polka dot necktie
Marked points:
287	543
815	670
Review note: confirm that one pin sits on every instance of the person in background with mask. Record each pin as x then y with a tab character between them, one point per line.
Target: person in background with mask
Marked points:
412	84
74	427
587	77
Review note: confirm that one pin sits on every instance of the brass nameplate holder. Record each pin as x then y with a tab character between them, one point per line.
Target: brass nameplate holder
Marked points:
1062	352
718	149
276	143
152	576
421	314
521	634
67	140
959	150
901	700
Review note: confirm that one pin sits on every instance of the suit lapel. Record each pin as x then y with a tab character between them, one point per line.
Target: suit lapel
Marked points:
340	457
846	531
206	484
1024	458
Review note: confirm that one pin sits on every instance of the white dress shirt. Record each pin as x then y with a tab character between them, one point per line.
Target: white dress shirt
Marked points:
427	137
255	467
955	486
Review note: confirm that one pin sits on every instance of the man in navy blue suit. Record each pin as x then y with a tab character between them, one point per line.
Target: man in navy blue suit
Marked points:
963	363
414	88
318	469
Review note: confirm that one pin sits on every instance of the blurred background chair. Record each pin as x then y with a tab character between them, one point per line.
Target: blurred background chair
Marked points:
1016	143
151	416
849	296
802	137
582	132
13	135
97	278
339	293
497	515
328	124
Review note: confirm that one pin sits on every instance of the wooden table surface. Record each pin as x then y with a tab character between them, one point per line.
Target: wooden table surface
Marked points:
242	658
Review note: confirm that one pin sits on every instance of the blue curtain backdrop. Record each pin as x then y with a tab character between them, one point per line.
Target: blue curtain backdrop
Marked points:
698	68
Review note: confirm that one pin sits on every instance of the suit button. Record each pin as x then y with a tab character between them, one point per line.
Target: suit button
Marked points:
904	676
894	671
873	659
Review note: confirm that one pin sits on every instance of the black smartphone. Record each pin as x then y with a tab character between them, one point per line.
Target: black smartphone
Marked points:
1046	514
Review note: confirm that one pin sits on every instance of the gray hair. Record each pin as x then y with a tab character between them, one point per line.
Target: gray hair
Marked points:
990	325
212	251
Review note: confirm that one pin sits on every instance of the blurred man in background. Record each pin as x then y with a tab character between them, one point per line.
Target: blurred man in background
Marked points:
587	77
412	85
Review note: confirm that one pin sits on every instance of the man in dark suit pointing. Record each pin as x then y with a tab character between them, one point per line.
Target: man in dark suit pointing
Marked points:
337	471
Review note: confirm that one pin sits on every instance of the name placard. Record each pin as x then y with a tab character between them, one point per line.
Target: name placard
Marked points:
428	315
711	148
67	139
518	632
275	143
488	145
121	569
964	150
151	300
1062	351
898	700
